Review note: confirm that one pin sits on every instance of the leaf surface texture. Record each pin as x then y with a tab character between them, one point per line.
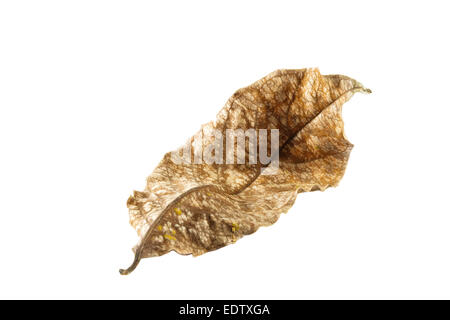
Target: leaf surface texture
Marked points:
193	208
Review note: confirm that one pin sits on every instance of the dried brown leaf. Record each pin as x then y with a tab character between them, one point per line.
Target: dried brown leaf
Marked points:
196	208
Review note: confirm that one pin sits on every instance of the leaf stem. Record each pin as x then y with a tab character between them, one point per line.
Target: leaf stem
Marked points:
137	259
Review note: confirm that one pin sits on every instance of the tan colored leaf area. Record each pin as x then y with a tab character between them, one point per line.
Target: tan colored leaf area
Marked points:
196	207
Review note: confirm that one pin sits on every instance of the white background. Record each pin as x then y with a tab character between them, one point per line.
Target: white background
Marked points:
93	93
